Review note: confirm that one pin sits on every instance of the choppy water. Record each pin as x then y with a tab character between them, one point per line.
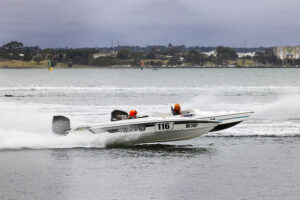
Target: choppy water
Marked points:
258	159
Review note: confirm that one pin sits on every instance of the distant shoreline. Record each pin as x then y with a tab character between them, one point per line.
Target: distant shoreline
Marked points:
16	64
112	67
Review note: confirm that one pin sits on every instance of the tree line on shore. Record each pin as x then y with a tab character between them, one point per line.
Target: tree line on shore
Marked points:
133	55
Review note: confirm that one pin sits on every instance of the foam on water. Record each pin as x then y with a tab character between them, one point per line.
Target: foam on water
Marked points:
285	107
212	89
25	126
28	125
277	118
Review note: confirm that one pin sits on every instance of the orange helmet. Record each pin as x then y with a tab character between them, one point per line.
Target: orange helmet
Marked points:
177	107
133	113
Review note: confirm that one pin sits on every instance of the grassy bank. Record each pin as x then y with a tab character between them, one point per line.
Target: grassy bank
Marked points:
18	64
22	64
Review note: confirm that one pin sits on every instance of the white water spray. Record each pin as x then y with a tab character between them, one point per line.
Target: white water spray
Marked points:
24	126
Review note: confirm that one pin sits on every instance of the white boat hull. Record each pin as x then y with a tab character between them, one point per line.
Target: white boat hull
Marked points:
174	135
150	131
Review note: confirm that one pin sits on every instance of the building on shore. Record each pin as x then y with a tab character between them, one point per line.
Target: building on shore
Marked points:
103	54
240	55
292	52
214	53
246	54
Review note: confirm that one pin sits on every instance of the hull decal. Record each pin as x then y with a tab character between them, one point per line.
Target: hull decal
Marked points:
224	126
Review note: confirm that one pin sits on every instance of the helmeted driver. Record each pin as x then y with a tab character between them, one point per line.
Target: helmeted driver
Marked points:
132	114
177	109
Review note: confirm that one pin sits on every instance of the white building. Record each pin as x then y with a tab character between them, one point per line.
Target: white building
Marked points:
242	55
214	53
102	54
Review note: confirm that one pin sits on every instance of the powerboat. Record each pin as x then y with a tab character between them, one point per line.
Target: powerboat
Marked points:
156	128
145	129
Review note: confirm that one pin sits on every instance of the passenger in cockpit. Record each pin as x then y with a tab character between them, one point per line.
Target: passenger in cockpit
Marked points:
176	110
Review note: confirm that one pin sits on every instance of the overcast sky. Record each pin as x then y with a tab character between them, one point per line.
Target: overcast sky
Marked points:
96	23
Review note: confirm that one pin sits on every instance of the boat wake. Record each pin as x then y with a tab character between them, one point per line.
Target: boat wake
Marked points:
285	107
279	117
24	125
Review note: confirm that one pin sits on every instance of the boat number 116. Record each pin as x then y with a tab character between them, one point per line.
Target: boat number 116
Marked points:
163	126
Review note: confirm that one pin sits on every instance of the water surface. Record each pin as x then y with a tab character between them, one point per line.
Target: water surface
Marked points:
258	159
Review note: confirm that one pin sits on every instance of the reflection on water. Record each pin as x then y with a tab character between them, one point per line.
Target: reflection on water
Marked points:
145	150
149	150
60	154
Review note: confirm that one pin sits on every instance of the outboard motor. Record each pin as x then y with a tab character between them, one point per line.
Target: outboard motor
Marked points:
61	125
118	115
